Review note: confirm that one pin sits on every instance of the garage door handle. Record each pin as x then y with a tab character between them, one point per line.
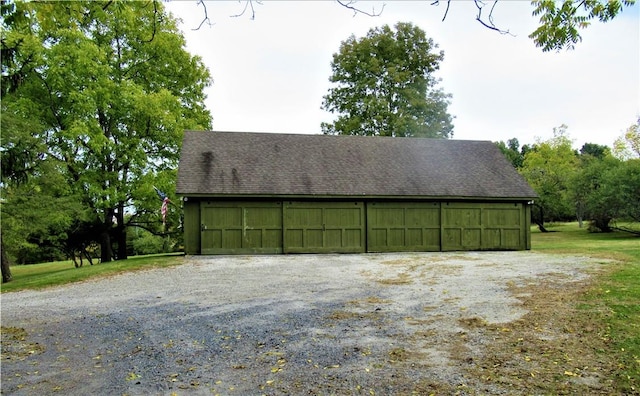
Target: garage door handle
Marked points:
203	227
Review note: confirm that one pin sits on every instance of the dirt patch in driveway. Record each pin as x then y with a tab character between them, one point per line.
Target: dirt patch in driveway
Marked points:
471	323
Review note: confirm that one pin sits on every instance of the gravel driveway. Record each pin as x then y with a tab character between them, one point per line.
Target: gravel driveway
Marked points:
287	324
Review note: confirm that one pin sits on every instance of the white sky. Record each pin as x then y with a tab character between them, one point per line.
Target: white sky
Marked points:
271	73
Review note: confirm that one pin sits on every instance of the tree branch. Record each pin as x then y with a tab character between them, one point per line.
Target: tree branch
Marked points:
348	5
206	15
490	25
488	22
248	4
153	231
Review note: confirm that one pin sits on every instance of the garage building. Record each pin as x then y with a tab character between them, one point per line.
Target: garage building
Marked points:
247	193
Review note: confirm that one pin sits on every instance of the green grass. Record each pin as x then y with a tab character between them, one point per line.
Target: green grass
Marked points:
40	276
617	290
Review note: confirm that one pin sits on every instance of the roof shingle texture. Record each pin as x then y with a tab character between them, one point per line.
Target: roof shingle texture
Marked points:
239	163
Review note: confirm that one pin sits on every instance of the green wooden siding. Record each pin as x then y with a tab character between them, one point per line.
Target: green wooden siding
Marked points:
241	227
324	227
403	226
191	227
484	226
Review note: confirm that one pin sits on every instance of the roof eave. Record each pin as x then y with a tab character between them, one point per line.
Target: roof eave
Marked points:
356	197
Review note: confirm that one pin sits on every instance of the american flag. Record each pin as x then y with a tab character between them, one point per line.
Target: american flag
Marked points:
165	204
164	209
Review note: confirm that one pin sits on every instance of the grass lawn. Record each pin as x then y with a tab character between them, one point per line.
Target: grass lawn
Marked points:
38	276
617	290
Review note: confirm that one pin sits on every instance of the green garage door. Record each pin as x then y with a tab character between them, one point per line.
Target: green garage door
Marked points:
324	227
241	227
403	227
483	226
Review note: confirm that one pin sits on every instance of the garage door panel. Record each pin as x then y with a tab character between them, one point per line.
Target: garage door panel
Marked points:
461	217
324	226
502	217
241	227
396	237
432	239
263	217
403	226
314	238
429	216
492	236
388	217
414	237
342	217
471	238
333	237
511	238
452	237
232	239
225	217
484	226
212	238
354	238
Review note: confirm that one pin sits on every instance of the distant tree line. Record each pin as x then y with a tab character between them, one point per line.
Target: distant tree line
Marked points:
597	184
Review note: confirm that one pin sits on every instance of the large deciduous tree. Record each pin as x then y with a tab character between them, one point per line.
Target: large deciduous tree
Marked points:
607	189
549	167
384	85
113	88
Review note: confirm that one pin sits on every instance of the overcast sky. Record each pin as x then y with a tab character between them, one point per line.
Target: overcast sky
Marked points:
271	73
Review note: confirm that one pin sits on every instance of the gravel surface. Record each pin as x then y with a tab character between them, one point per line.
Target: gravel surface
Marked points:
287	324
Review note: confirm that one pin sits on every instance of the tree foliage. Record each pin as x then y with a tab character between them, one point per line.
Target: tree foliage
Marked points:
627	146
590	184
548	168
384	85
561	22
112	88
511	150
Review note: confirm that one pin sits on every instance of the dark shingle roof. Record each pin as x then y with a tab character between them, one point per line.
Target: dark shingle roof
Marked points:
238	163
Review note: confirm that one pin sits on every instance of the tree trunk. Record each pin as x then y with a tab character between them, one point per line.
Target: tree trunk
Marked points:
121	233
106	250
540	220
602	224
106	253
6	266
580	213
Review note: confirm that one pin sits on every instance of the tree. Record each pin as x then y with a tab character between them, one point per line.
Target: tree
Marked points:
595	150
511	150
560	23
113	87
627	146
20	157
548	168
608	189
384	86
